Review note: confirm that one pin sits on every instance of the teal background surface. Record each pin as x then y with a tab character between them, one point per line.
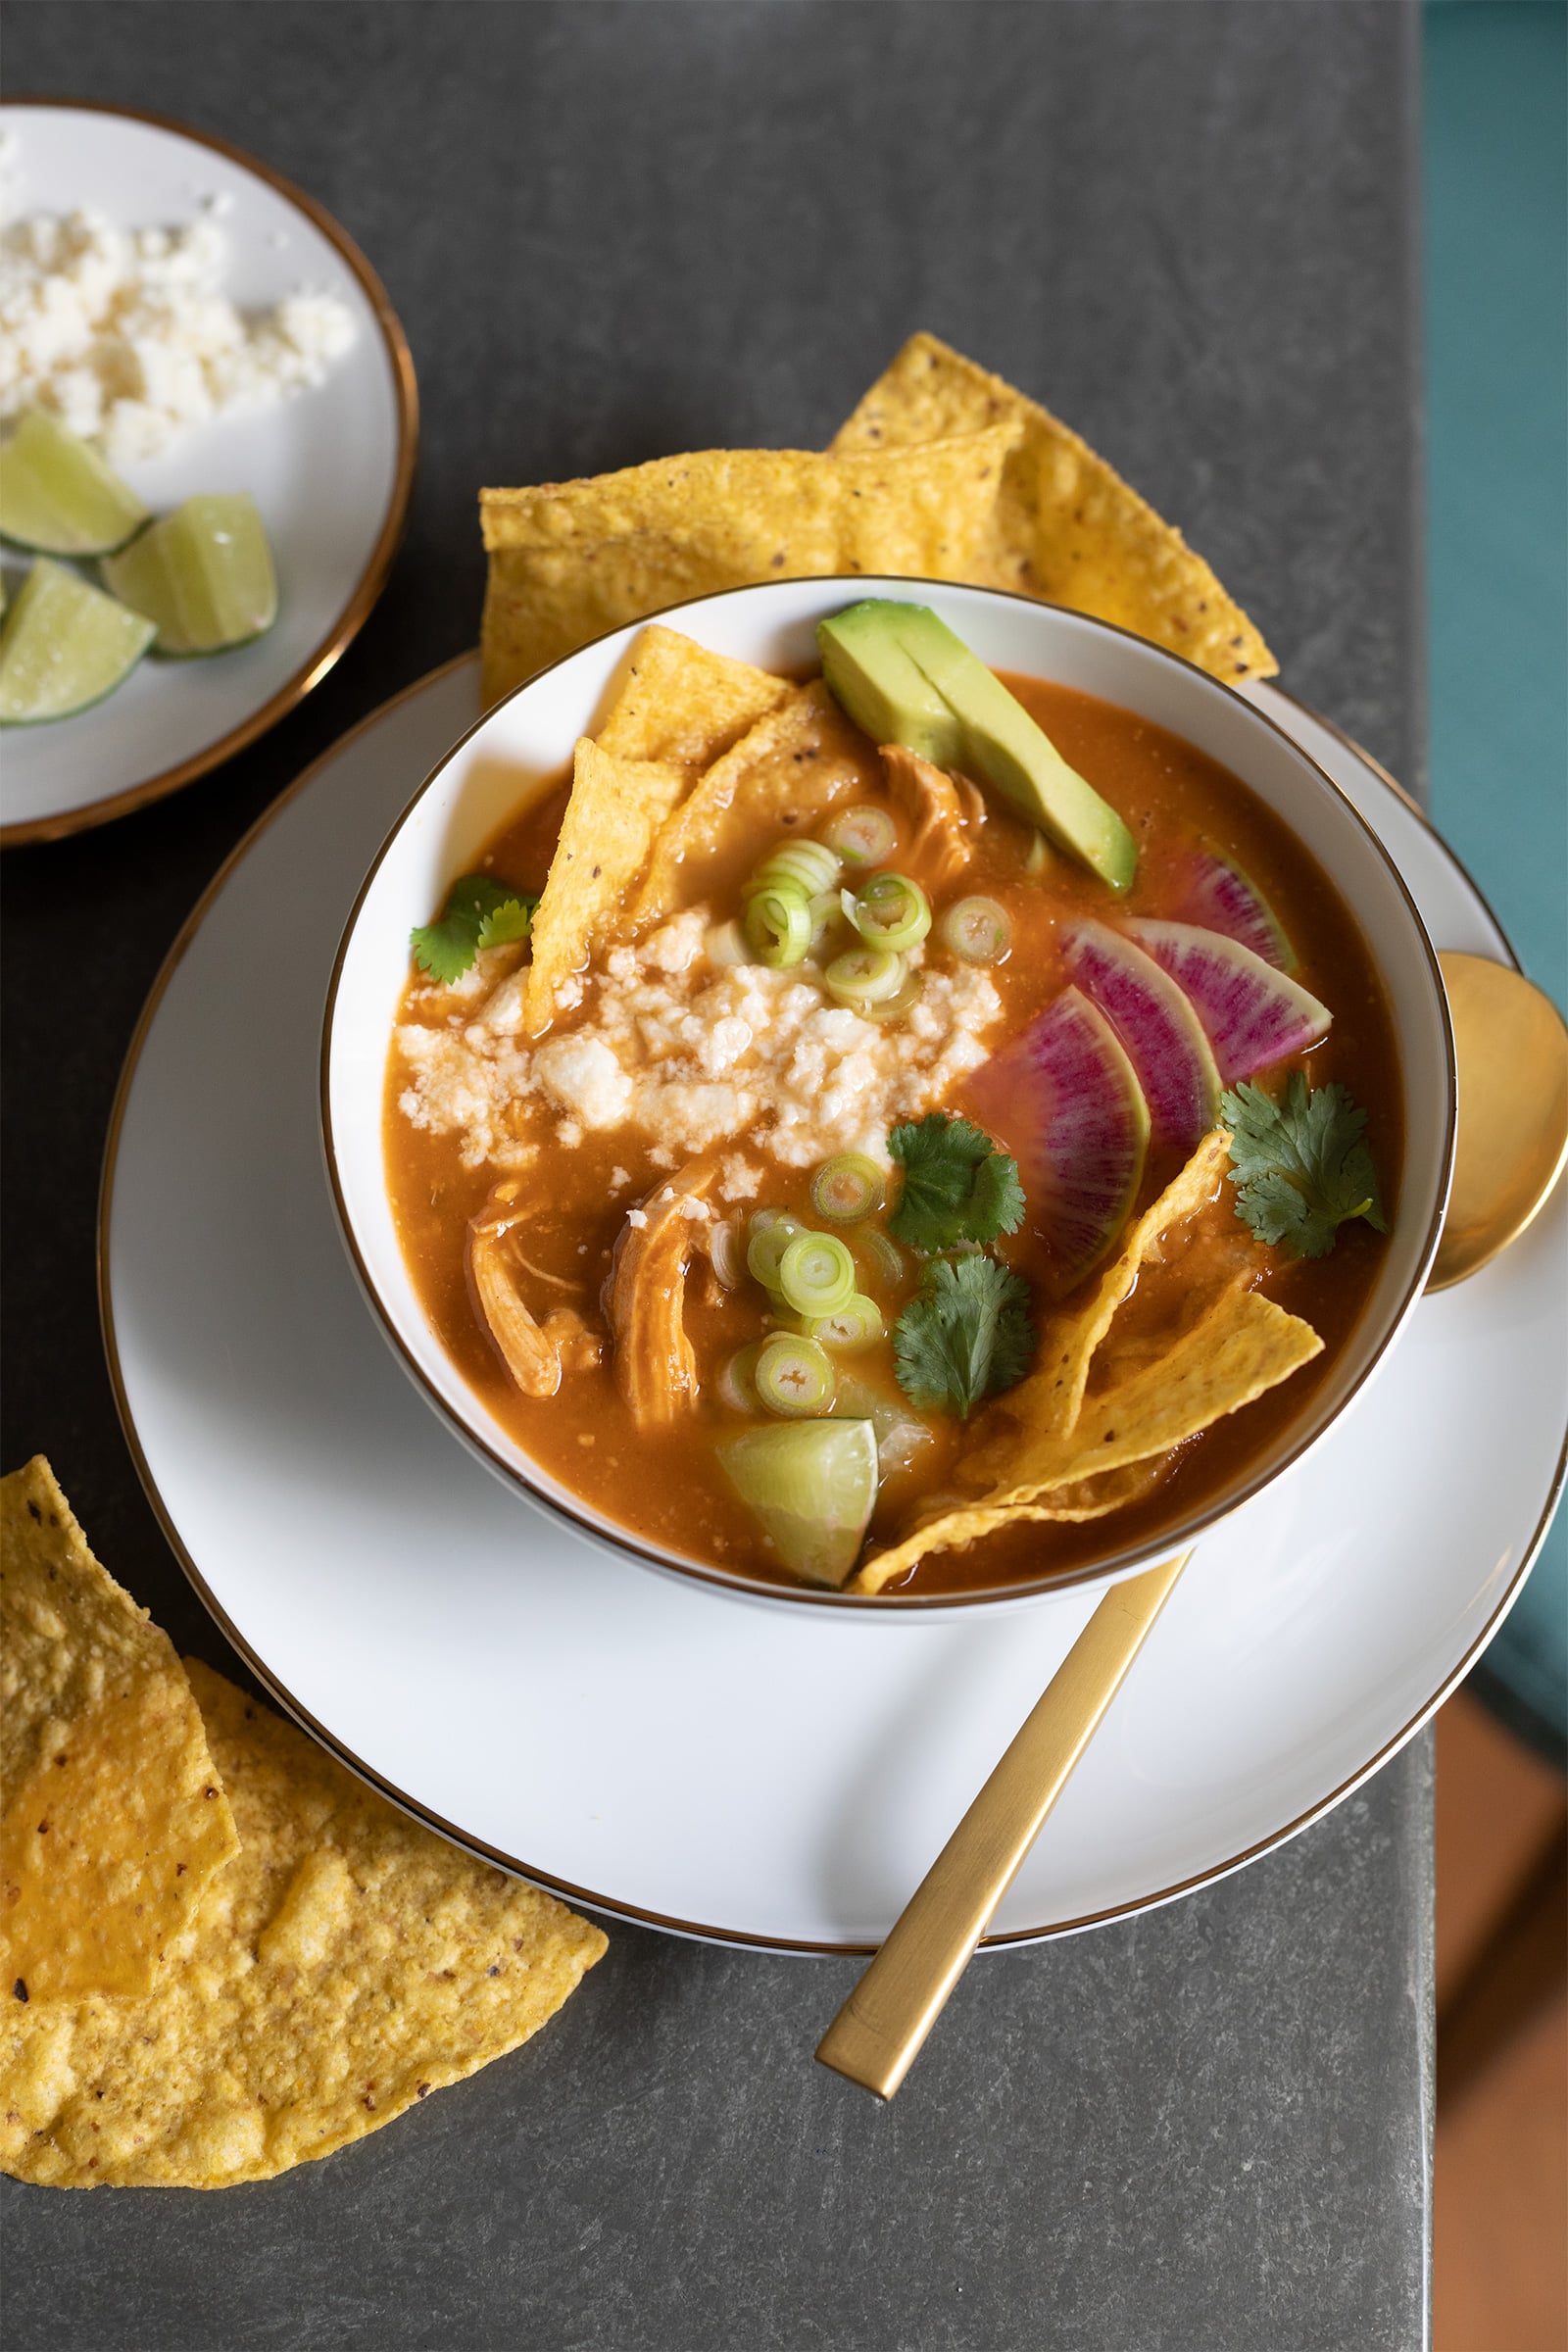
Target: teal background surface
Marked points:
1496	206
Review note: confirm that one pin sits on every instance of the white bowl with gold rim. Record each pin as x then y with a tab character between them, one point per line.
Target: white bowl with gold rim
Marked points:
520	747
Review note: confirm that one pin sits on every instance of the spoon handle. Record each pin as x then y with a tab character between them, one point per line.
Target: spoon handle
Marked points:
878	2033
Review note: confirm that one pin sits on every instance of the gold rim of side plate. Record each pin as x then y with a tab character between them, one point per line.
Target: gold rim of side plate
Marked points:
569	1891
373	579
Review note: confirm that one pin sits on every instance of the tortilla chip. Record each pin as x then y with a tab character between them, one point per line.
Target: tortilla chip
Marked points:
346	1963
1050	1398
681	703
114	1815
569	560
1092	1499
1064	528
782	777
1244	1345
613	816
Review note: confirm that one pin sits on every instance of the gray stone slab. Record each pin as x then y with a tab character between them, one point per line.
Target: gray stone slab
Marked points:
613	231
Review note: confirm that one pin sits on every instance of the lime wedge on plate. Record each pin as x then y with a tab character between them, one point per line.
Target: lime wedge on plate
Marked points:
812	1484
64	645
204	576
57	494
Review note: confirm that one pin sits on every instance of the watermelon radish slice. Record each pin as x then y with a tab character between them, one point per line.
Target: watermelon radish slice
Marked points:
1163	1036
1222	897
1253	1014
1066	1099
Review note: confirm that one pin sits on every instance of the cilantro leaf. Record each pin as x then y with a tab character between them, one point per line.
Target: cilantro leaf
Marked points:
1301	1168
479	912
445	949
957	1186
968	1333
512	919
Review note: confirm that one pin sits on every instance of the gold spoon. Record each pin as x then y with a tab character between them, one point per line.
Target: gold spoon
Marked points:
1511	1050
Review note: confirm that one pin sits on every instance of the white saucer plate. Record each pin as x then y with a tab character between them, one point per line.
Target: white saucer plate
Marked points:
660	1750
330	468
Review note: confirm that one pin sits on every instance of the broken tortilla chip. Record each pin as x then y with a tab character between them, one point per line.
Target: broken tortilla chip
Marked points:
347	1963
1065	526
782	777
1050	1398
569	560
112	1816
951	1531
679	702
615	811
1242	1347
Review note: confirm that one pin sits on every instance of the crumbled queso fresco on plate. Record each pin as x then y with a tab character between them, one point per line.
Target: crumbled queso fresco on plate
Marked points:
125	336
695	1055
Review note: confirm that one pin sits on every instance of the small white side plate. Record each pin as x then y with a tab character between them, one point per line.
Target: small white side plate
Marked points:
330	468
658	1749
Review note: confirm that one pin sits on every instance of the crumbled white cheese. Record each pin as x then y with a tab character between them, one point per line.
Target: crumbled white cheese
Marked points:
738	1180
697	1056
501	1010
127	336
674	949
582	1075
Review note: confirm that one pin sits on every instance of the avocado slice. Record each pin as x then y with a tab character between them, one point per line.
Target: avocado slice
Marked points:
880	643
884	691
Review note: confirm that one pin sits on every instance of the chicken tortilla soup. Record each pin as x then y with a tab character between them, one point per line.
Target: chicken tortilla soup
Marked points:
907	1130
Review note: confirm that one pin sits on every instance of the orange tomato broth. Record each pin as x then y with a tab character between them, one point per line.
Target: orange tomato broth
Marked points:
665	1486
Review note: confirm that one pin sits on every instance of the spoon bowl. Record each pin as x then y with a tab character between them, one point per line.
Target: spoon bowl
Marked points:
1510	1049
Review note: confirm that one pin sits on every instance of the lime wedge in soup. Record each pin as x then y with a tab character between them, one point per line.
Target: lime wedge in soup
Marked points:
64	645
57	494
203	575
812	1484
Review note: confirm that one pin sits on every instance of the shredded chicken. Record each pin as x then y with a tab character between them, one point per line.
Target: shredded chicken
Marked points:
656	1365
535	1354
946	811
576	1343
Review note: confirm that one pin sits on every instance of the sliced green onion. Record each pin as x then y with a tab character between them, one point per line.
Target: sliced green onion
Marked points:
864	976
770	1233
736	1385
857	1325
890	912
862	834
893	1007
728	1255
977	930
825	911
726	944
794	1376
778	925
808	867
880	1251
848	1186
816	1273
